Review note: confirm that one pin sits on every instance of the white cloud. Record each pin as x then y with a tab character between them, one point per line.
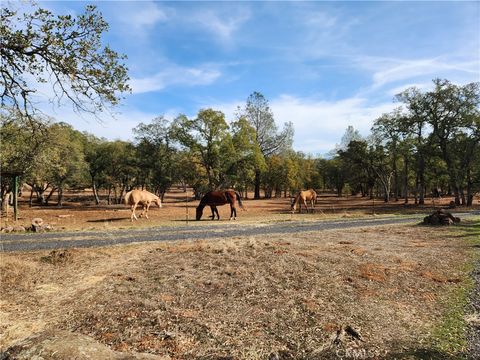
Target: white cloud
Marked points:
146	15
221	25
387	70
318	20
424	86
117	126
320	124
175	75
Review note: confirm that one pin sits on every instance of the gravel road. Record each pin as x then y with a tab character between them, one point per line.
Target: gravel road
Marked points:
63	240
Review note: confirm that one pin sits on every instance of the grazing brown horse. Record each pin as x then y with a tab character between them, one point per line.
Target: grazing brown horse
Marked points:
217	198
142	197
302	198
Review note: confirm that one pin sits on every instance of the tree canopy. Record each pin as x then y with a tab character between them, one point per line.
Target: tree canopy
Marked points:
65	53
270	141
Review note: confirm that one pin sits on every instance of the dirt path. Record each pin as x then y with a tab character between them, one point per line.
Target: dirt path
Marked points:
112	236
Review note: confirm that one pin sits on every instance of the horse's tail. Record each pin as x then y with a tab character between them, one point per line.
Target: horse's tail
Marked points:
239	199
127	197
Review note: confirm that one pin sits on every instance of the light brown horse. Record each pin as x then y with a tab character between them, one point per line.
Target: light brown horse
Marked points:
143	198
302	198
218	198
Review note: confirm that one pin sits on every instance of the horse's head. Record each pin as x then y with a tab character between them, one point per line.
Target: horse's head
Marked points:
199	212
158	201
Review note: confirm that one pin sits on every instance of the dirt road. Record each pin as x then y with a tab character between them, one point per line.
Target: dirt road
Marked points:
112	236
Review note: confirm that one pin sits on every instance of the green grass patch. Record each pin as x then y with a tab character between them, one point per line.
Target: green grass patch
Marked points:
449	337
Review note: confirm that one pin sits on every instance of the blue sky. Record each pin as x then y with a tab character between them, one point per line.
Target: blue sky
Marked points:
321	65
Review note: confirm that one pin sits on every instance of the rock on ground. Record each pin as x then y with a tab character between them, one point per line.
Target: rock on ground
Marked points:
63	345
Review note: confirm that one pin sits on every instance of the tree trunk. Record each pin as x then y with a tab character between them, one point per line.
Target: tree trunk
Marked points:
39	192
95	192
47	199
339	191
469	189
5	201
120	195
256	194
421	181
60	196
396	188
30	201
454	186
278	192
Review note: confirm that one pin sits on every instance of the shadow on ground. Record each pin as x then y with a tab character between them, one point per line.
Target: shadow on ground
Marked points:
109	219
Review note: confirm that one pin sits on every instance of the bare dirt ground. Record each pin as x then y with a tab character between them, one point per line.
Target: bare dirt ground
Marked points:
275	297
80	213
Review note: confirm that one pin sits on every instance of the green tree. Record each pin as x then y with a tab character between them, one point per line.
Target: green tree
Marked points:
96	157
209	141
334	174
270	141
156	154
39	47
23	146
452	113
70	168
356	164
247	155
121	172
415	127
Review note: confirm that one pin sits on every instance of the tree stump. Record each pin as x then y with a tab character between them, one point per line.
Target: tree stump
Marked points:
37	224
440	217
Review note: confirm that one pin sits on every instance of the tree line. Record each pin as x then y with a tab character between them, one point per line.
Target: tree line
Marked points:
430	143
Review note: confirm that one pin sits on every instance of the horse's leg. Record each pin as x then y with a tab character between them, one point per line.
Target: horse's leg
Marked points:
133	213
213	212
218	215
306	206
143	210
146	211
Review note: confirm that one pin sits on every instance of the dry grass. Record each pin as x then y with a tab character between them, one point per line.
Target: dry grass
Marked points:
241	298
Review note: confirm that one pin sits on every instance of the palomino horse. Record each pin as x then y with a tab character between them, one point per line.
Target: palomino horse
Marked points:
302	198
217	198
143	198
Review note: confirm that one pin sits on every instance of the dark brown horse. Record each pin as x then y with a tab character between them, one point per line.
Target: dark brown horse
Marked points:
218	198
